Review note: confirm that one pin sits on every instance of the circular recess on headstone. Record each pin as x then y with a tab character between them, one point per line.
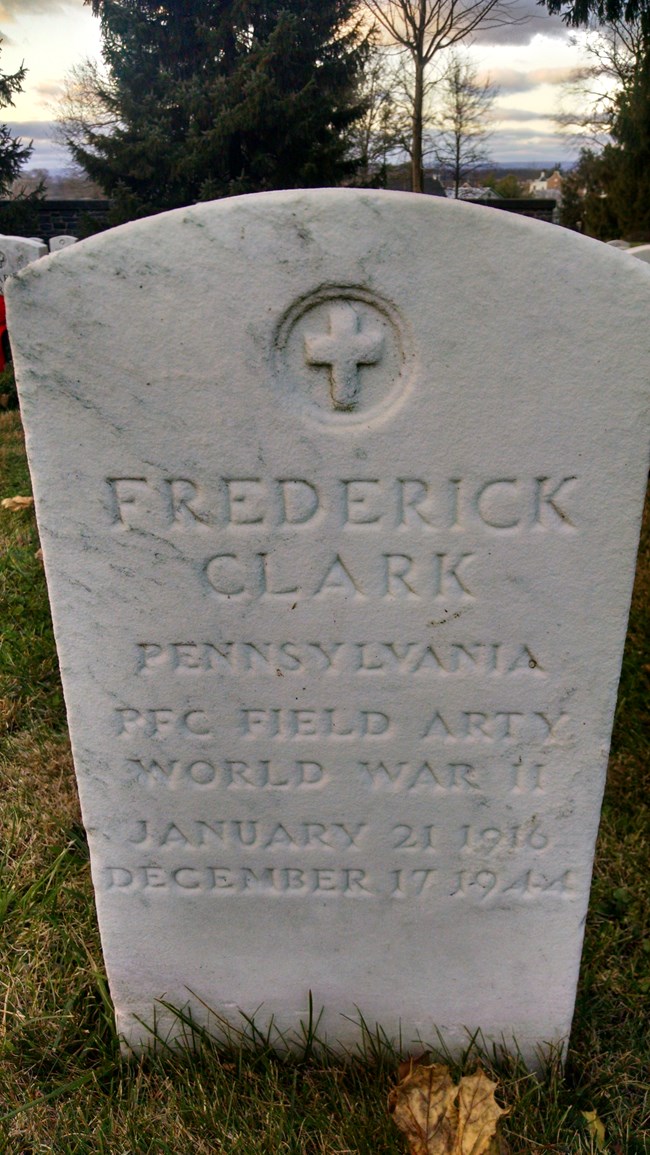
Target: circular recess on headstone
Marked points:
342	355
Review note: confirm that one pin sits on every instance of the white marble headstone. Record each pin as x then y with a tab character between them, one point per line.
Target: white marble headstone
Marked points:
16	253
61	242
339	496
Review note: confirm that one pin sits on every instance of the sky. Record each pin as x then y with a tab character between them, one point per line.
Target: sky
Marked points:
527	62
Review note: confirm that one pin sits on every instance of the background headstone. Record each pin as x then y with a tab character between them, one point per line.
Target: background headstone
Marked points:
16	253
339	528
641	252
62	242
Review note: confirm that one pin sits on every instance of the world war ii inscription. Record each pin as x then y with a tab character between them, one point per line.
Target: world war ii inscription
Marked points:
340	594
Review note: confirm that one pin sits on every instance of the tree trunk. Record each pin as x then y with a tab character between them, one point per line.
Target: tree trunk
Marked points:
417	169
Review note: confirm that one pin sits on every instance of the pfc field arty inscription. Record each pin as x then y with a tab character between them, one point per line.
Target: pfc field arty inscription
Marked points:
339	510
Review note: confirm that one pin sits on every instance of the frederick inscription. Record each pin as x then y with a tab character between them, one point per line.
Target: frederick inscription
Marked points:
501	503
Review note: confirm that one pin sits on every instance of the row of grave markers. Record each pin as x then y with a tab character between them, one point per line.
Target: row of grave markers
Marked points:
18	252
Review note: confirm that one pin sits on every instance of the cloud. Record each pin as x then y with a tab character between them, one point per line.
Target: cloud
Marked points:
509	80
541	158
513	80
558	75
48	90
47	153
36	130
523	115
10	9
529	19
525	135
520	144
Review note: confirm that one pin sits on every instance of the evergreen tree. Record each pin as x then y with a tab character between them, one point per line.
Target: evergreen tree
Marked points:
508	187
608	192
587	13
622	171
587	204
208	98
628	188
13	153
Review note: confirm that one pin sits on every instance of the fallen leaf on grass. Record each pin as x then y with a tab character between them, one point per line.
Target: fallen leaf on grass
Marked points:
478	1114
595	1127
424	1108
39	555
439	1117
17	502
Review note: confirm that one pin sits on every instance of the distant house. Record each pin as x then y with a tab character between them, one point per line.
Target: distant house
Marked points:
549	187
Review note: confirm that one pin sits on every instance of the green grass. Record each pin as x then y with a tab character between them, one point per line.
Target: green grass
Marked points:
64	1087
30	694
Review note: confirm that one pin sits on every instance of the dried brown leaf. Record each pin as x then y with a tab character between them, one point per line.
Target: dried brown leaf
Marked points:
14	503
440	1118
478	1114
423	1107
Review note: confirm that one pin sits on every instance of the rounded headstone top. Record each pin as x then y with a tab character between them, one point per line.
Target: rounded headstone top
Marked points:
61	242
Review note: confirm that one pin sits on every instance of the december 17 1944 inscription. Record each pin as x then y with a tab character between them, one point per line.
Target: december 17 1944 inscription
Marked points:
339	496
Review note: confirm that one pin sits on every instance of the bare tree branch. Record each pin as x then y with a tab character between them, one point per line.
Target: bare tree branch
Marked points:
464	109
422	29
86	106
589	100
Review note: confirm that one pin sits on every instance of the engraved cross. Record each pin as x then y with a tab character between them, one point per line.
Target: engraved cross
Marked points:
343	349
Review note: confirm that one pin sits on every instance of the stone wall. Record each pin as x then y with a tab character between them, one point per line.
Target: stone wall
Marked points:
64	216
55	217
541	210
